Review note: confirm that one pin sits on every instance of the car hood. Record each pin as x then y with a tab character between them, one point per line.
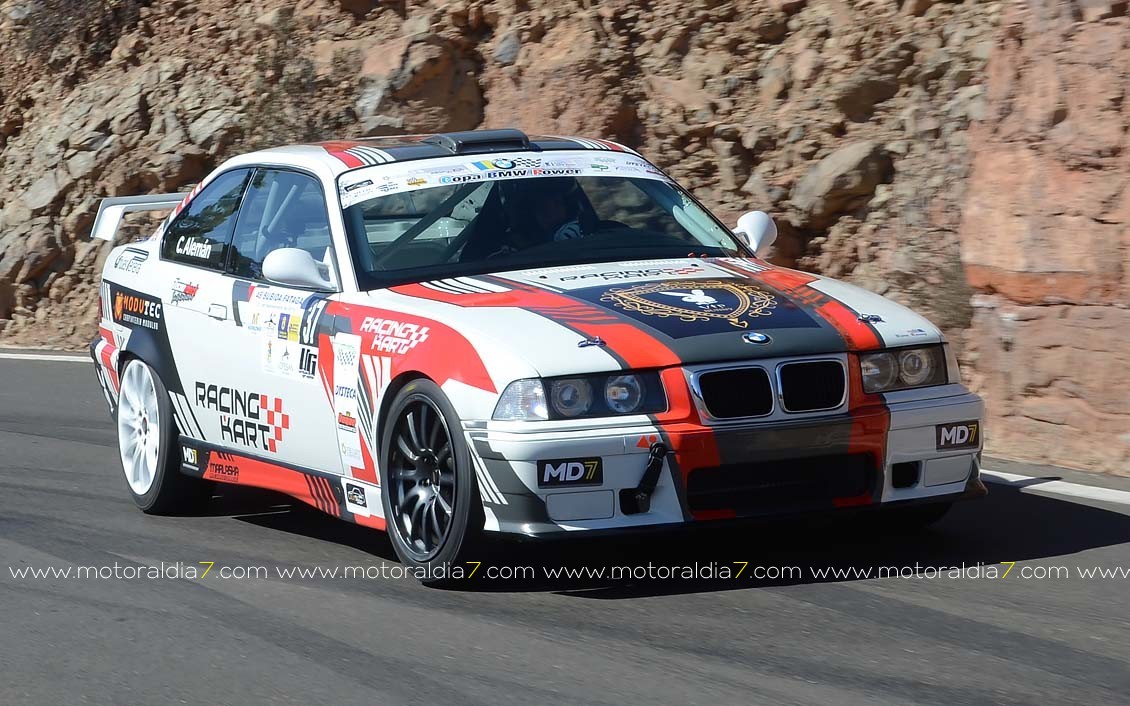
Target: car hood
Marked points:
706	310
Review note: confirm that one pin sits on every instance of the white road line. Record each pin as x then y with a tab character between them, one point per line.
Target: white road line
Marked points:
1029	484
42	356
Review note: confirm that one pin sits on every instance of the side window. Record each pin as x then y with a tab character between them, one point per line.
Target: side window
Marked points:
200	235
281	210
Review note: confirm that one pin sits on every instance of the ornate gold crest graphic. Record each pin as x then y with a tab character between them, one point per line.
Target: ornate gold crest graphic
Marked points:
695	300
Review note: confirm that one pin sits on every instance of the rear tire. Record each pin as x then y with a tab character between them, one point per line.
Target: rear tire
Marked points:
149	446
432	508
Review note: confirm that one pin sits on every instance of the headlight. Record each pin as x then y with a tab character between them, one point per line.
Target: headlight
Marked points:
571	397
903	368
522	400
577	397
880	371
624	393
916	366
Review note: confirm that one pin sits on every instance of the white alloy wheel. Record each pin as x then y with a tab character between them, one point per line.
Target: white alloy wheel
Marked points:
139	427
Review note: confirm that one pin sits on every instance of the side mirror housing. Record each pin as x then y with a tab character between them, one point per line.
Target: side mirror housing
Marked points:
757	229
296	267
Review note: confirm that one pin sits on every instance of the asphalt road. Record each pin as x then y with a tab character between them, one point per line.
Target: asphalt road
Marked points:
793	640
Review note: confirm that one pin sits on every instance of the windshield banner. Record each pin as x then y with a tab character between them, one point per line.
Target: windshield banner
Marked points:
380	180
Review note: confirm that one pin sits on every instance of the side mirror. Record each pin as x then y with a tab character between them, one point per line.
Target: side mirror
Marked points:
757	229
296	267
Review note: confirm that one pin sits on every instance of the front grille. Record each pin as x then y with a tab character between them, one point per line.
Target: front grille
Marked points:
740	392
811	386
781	485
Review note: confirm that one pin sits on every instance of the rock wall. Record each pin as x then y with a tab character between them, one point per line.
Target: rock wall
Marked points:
849	120
1045	235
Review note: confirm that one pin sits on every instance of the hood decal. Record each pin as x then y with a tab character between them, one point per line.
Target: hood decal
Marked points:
682	308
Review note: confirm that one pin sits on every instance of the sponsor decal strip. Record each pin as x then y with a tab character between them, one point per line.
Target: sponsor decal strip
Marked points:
366	184
314	489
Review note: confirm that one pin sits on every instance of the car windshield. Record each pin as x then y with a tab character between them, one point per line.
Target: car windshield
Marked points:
464	217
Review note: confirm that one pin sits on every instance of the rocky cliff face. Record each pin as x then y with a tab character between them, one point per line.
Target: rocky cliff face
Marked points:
848	120
1046	235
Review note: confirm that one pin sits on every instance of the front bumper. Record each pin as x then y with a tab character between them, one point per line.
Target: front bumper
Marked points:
875	456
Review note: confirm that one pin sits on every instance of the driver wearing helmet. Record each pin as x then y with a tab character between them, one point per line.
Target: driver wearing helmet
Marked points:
553	205
538	211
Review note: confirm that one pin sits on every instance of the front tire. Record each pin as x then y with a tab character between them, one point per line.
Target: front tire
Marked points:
149	446
431	504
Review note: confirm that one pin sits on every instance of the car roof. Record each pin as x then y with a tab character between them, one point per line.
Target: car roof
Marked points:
338	156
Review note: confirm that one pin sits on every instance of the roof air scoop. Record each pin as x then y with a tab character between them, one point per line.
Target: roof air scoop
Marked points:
482	141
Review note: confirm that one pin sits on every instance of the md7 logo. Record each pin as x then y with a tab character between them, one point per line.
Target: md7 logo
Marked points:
959	435
188	458
570	471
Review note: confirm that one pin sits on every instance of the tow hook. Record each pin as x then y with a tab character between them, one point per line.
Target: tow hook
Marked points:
633	501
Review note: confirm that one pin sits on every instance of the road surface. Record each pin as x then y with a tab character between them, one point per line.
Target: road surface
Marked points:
146	632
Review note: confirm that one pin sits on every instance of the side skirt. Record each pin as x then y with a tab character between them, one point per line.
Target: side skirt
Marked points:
348	499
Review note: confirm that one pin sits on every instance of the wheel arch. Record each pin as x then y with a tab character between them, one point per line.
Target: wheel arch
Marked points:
394	387
153	349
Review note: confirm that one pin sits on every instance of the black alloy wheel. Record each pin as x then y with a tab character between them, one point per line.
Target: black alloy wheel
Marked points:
421	477
431	504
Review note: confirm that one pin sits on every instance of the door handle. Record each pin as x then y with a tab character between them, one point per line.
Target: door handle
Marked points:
217	311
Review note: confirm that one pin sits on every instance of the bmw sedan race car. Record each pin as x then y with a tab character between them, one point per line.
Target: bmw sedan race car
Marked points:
458	335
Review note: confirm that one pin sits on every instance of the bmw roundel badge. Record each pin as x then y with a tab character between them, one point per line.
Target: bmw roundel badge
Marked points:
756	338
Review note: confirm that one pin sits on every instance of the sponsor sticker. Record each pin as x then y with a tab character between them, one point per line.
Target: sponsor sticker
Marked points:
136	309
912	333
347	422
358	185
287	327
558	172
183	291
222	467
307	362
130	260
277	299
957	435
247	418
390	336
355	494
188	458
642	273
557	472
357	497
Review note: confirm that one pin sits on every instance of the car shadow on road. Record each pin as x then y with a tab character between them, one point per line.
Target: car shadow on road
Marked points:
1007	526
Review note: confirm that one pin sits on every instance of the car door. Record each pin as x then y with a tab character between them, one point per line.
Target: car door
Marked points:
269	393
196	294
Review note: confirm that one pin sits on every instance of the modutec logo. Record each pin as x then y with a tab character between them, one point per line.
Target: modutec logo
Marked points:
246	418
136	310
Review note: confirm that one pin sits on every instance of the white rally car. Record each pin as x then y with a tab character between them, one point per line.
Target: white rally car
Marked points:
454	335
